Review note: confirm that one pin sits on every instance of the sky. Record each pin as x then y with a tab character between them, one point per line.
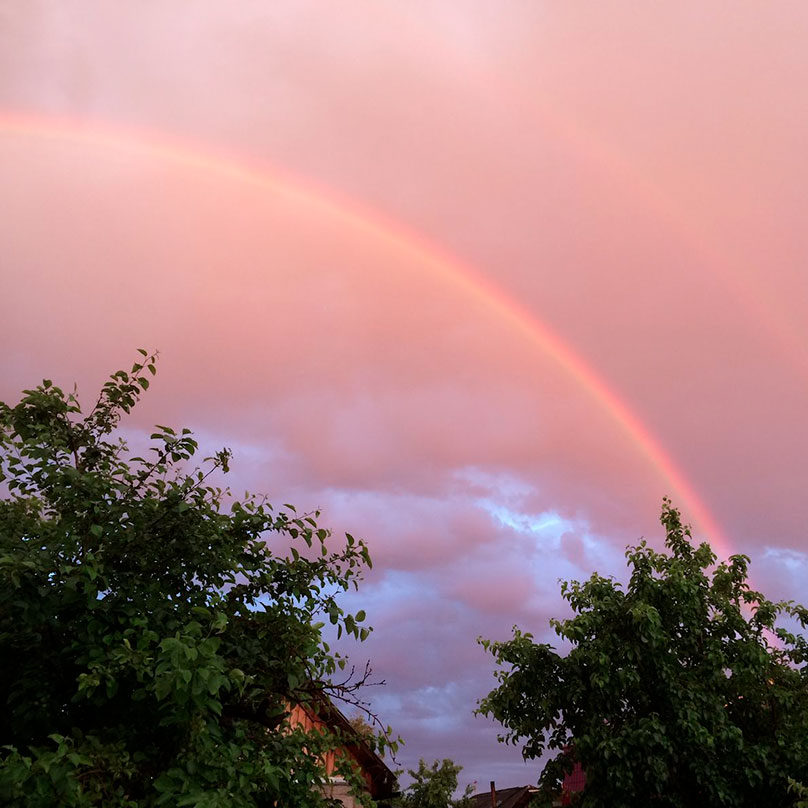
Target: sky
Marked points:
481	282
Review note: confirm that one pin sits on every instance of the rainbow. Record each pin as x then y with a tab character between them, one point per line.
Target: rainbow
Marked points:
397	237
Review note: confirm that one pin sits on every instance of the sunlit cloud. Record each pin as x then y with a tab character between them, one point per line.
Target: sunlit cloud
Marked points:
629	180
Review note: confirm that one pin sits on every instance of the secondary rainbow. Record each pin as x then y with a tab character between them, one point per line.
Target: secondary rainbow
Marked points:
371	223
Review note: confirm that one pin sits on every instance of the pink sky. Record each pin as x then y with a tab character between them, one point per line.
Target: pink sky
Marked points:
326	217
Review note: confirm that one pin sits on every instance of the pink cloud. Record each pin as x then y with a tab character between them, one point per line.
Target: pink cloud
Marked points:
635	179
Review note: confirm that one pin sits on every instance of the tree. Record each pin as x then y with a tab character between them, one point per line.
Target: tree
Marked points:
433	786
682	689
361	726
154	631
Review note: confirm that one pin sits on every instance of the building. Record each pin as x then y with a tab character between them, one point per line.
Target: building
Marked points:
380	782
516	797
522	796
573	782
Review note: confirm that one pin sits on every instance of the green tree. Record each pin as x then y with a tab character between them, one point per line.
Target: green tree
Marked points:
433	786
681	689
154	631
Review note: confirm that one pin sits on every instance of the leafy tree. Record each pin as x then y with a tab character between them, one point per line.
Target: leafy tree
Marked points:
361	726
801	793
433	786
680	690
154	632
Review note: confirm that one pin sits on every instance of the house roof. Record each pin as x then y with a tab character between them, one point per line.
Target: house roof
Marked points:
516	797
380	779
383	781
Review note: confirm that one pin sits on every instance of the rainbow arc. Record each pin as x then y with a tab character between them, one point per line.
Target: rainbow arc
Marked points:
370	223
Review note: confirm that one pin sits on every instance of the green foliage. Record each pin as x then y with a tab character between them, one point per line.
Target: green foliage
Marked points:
800	791
680	690
153	631
433	786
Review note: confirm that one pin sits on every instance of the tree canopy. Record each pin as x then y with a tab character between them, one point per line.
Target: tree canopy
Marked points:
434	786
154	631
682	688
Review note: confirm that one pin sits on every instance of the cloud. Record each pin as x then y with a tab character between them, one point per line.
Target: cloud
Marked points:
603	168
